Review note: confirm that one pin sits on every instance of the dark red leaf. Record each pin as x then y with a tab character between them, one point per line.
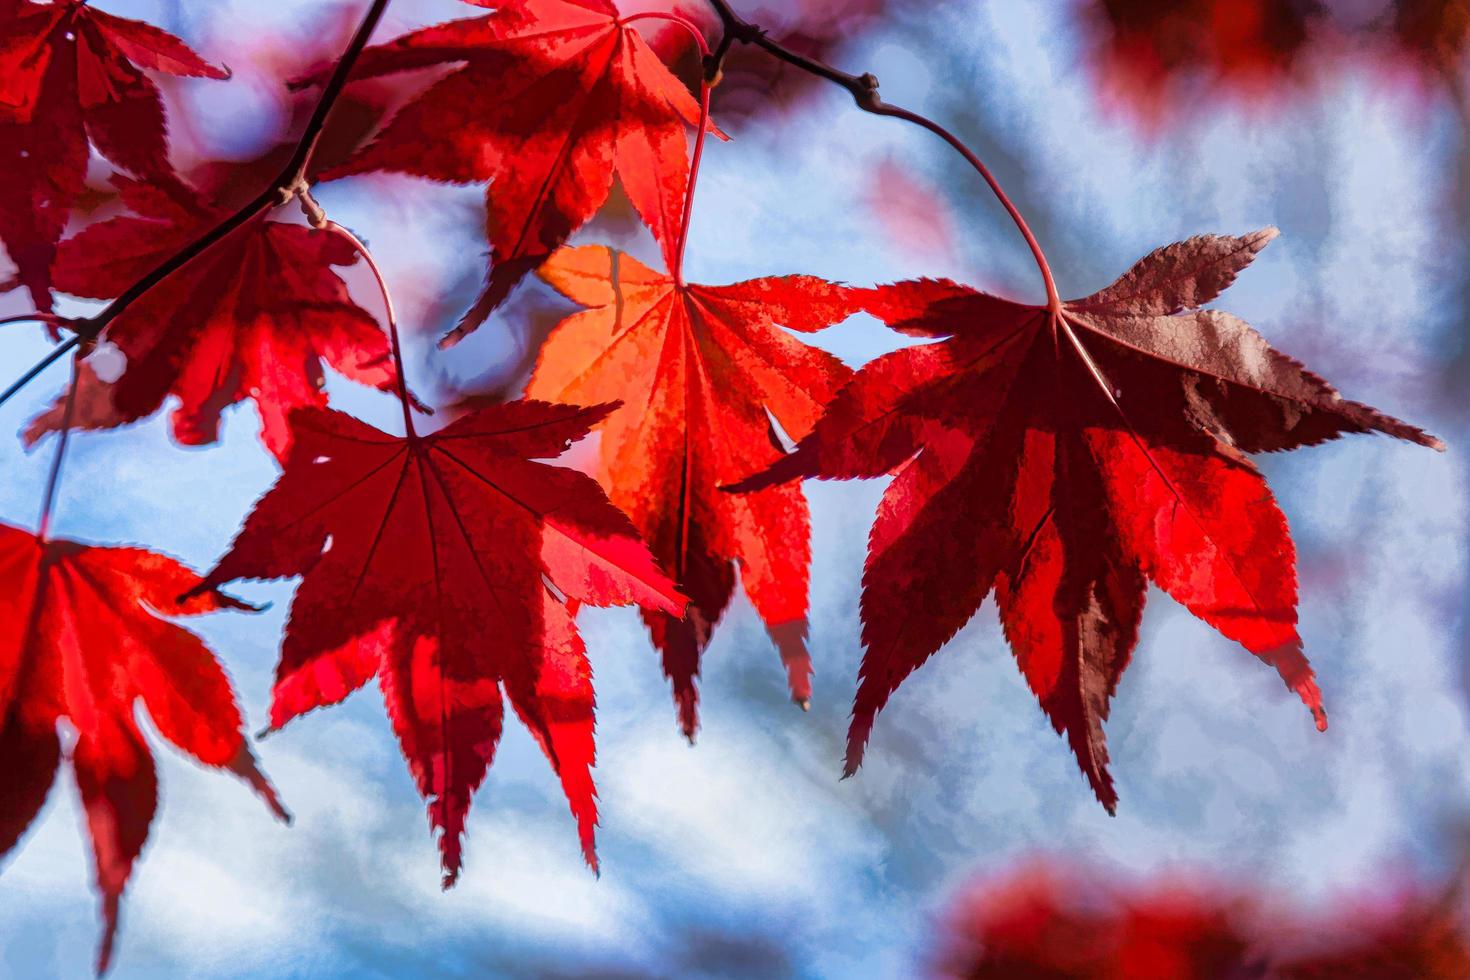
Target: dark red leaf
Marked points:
1063	459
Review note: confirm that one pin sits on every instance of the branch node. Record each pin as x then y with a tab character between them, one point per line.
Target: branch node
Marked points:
300	191
86	328
714	68
747	33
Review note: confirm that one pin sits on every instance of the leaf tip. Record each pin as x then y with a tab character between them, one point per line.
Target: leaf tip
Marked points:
109	932
245	766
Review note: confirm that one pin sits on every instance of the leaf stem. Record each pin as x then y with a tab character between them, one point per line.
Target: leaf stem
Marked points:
392	318
710	65
678	269
671	18
864	90
284	189
53	478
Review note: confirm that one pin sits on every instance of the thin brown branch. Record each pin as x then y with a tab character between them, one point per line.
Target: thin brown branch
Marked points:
864	91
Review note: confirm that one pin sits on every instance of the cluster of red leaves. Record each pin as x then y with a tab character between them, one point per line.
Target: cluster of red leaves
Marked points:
1061	456
1043	921
85	638
1158	57
507	547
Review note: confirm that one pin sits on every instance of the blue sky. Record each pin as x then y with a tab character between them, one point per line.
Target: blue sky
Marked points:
744	855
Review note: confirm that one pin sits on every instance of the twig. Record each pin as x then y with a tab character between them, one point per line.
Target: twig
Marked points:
864	90
283	189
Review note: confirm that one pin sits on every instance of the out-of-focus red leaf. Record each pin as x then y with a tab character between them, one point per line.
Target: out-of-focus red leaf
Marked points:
1171	60
1053	921
1155	57
912	213
1432	34
1048	923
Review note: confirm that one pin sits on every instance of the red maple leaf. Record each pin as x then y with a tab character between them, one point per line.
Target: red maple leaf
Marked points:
85	638
1064	459
69	72
253	317
444	565
553	99
698	368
